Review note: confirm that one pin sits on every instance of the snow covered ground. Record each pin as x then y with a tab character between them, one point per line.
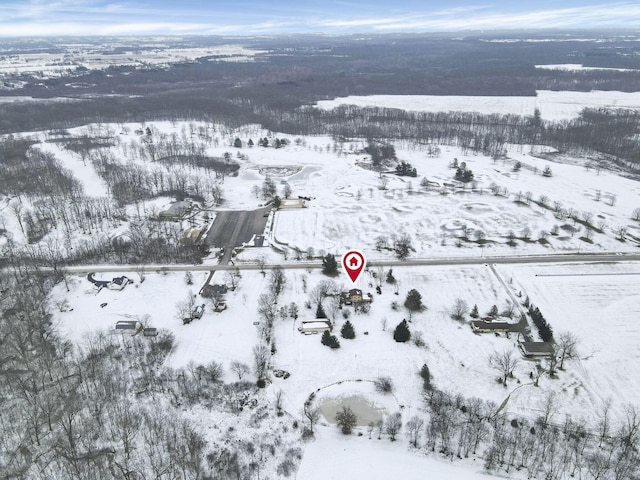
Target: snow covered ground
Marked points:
571	67
94	57
348	209
599	309
333	457
553	105
600	304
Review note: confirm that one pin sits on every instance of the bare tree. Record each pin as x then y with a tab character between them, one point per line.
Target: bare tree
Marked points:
504	363
140	270
636	214
604	421
232	278
267	307
392	425
312	414
62	304
509	309
278	279
383	182
621	232
414	427
460	309
216	299
543	200
184	308
260	361
566	347
240	369
629	433
322	290
547	409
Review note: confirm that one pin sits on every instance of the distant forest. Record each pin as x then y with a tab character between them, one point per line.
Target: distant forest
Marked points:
276	88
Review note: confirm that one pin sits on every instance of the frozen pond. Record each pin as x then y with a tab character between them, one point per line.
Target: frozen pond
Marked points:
366	411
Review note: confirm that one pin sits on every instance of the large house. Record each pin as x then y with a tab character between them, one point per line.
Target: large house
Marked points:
483	326
117	283
354	297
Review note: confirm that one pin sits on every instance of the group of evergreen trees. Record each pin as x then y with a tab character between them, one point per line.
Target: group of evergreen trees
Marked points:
544	329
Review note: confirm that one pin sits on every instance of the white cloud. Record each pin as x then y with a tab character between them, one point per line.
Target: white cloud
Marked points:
100	17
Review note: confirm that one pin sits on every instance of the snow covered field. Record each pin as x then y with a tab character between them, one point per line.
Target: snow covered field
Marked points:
457	358
597	303
334	457
600	304
552	105
349	209
571	67
94	57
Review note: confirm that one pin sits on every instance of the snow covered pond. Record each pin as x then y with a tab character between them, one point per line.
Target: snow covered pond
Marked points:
366	411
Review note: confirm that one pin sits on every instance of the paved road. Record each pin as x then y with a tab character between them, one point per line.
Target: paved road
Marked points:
233	228
531	259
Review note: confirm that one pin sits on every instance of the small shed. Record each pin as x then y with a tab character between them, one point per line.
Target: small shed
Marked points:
150	332
176	210
128	327
292	203
536	349
315	326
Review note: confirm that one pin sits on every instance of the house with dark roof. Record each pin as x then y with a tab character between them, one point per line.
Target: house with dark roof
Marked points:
118	283
352	296
536	349
217	290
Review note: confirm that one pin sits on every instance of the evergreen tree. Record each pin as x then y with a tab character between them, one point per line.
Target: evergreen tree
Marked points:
474	312
237	143
346	420
329	265
402	333
494	311
320	313
426	377
347	331
330	340
390	278
413	302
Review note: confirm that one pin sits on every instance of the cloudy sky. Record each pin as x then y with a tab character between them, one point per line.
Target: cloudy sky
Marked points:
254	17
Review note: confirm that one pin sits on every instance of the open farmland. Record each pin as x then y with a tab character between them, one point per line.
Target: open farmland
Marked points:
600	304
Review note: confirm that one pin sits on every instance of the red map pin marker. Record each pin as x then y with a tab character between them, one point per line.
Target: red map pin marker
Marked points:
353	263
